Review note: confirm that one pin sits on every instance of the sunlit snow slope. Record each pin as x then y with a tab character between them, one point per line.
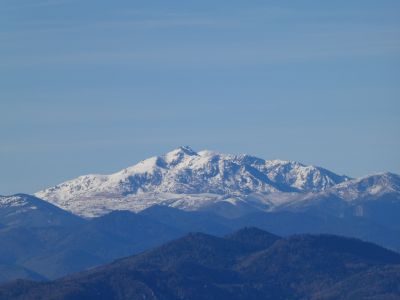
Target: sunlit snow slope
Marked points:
187	179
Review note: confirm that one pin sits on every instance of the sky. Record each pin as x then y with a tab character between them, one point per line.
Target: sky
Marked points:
96	86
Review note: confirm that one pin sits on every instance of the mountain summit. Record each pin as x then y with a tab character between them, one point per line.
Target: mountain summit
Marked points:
182	176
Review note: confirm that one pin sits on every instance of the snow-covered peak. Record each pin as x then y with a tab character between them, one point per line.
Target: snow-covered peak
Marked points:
299	176
184	171
176	156
371	185
187	150
145	166
208	153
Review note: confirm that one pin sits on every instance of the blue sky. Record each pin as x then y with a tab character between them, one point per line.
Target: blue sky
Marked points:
96	86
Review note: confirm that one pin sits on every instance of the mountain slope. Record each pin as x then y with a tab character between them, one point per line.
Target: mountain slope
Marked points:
382	282
54	251
188	221
185	178
26	210
200	266
369	186
375	198
11	272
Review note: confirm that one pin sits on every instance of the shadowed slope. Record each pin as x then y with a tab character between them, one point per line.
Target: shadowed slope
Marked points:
200	266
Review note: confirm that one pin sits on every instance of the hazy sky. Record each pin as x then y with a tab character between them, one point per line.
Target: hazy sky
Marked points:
96	86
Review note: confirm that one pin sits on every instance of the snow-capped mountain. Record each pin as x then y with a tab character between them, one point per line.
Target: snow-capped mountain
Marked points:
187	179
370	187
376	196
22	209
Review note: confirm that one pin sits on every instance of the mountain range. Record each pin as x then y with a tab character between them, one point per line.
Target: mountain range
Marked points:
248	264
190	180
95	219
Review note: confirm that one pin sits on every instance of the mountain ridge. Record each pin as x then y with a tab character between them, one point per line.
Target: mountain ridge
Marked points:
206	175
247	264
